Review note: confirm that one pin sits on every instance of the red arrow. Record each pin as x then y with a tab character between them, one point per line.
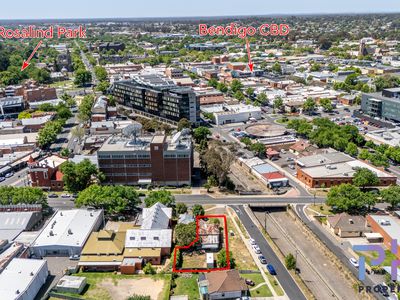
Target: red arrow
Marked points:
250	64
26	63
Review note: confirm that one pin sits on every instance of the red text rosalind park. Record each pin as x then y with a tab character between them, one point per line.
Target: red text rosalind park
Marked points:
244	31
31	32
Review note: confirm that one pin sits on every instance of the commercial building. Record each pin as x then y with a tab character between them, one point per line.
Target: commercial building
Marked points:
39	94
388	136
23	278
227	114
388	227
334	168
158	160
11	106
67	232
156	95
13	223
209	95
111	46
384	105
45	173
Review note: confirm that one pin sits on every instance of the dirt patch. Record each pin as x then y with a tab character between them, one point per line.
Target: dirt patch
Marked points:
123	288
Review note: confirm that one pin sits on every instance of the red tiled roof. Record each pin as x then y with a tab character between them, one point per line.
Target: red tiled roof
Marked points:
273	175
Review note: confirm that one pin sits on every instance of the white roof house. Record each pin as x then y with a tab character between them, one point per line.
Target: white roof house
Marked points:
148	238
22	279
67	232
156	217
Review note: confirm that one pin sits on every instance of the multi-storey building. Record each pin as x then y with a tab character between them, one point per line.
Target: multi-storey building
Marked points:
158	160
158	96
385	105
45	173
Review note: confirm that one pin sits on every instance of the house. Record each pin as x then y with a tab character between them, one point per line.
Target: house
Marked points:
272	154
301	146
156	217
345	225
222	285
45	173
209	235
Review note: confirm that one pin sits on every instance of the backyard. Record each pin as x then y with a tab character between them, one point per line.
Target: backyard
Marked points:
186	284
110	286
260	289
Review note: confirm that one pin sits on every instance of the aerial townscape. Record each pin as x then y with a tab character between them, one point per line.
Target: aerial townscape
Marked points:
164	151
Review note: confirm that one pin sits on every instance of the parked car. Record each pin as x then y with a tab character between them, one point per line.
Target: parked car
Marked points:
271	269
252	241
256	249
65	195
250	282
52	195
262	259
354	262
10	174
383	289
2	178
74	257
289	159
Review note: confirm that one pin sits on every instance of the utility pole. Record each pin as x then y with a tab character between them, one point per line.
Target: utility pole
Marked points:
265	221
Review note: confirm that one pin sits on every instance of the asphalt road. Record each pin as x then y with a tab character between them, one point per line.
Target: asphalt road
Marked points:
285	279
333	247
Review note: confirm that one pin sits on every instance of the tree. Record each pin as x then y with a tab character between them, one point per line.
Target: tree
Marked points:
181	208
201	133
148	269
24	115
365	177
315	67
290	261
69	100
236	85
47	107
78	132
258	148
262	98
100	72
249	91
222	87
22	195
277	68
48	134
82	77
185	233
211	182
163	196
352	149
278	103
213	82
348	198
103	86
326	104
198	210
391	195
114	200
222	260
85	108
65	152
63	112
77	177
309	105
217	161
239	95
183	123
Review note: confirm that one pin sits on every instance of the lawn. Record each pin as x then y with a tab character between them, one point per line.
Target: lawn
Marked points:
262	291
373	255
275	284
321	208
110	286
192	260
243	259
186	285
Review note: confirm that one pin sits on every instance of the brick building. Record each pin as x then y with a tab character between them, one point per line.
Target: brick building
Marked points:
158	160
45	173
335	168
39	94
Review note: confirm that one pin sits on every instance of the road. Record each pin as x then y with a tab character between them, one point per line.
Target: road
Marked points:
19	178
333	247
88	66
285	279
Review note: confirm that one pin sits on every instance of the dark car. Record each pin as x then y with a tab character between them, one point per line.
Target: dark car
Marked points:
250	282
262	259
52	195
271	269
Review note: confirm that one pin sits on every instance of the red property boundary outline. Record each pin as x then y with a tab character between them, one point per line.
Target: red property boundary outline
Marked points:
228	265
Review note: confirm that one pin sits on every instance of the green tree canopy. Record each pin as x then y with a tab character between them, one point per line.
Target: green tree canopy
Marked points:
391	195
22	195
222	261
365	177
114	200
348	198
201	133
183	123
185	233
163	196
198	210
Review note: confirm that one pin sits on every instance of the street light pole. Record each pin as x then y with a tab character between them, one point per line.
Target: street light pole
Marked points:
265	221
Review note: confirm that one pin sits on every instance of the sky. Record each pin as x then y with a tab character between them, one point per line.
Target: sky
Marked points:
60	9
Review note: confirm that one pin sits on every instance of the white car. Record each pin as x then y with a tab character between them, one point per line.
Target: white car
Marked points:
354	262
256	249
252	241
